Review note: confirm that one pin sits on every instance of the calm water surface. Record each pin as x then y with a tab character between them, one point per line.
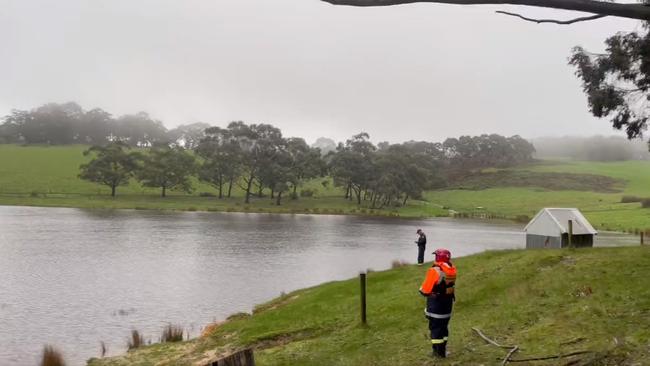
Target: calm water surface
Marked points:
74	278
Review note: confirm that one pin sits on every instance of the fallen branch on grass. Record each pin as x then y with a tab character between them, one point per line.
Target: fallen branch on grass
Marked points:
490	341
513	349
507	358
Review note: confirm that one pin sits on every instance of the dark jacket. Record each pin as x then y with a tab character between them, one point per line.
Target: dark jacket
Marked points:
422	240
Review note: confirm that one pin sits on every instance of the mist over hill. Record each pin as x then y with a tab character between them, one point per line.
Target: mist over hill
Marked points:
594	148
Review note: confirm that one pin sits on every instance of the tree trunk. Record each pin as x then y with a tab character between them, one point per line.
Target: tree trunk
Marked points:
295	195
113	187
272	193
164	191
277	202
347	191
260	191
374	200
220	187
249	184
406	197
230	187
358	192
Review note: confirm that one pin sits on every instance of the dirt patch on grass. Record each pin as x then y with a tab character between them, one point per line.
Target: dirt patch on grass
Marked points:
549	181
281	301
280	339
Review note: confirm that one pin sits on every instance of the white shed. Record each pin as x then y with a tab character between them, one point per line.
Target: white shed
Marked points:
550	229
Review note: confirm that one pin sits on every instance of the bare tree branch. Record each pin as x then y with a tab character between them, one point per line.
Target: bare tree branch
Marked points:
554	21
624	10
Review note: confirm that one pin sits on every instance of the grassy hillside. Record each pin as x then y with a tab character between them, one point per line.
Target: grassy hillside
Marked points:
547	302
601	204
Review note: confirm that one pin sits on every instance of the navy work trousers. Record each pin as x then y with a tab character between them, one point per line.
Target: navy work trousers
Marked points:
439	335
421	249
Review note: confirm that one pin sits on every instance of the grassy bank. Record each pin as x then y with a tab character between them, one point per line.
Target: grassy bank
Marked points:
548	302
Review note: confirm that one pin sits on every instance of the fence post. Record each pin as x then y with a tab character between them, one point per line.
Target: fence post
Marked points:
570	233
642	238
362	279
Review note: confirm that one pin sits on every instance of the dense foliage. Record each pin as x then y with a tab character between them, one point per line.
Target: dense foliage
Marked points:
617	82
69	123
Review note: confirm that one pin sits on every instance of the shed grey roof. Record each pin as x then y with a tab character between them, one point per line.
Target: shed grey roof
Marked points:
560	218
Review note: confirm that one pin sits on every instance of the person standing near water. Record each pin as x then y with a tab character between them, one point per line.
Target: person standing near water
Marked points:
422	245
438	288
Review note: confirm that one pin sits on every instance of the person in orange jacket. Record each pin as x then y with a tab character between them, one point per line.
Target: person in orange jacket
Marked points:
438	288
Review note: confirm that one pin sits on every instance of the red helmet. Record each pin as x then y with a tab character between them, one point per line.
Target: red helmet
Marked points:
442	255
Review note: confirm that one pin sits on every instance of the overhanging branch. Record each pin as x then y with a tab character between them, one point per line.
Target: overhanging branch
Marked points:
554	21
629	10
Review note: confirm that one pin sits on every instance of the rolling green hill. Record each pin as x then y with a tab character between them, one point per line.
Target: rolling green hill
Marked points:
548	302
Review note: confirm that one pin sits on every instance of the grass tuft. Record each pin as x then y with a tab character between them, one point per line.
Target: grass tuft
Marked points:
52	357
136	340
172	333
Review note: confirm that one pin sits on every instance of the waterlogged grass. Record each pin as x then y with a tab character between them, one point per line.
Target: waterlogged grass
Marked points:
548	302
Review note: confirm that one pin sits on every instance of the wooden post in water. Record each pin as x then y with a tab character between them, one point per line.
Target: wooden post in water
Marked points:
570	233
362	279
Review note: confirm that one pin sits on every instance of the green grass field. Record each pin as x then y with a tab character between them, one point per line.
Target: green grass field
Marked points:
47	176
604	210
548	302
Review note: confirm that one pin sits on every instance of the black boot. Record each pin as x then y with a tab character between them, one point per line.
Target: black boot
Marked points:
440	350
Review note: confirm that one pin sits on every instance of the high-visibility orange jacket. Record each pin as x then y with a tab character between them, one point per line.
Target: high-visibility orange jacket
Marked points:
438	287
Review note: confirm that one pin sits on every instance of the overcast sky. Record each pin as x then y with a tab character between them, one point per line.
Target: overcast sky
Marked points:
423	71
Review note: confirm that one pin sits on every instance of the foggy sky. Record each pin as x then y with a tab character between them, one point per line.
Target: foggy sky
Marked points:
423	71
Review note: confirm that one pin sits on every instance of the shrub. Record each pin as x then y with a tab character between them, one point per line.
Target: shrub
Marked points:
630	199
136	340
52	357
398	263
645	203
172	333
307	192
192	208
207	194
522	218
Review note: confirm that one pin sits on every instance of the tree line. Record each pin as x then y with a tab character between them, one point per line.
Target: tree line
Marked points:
261	162
69	123
256	158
